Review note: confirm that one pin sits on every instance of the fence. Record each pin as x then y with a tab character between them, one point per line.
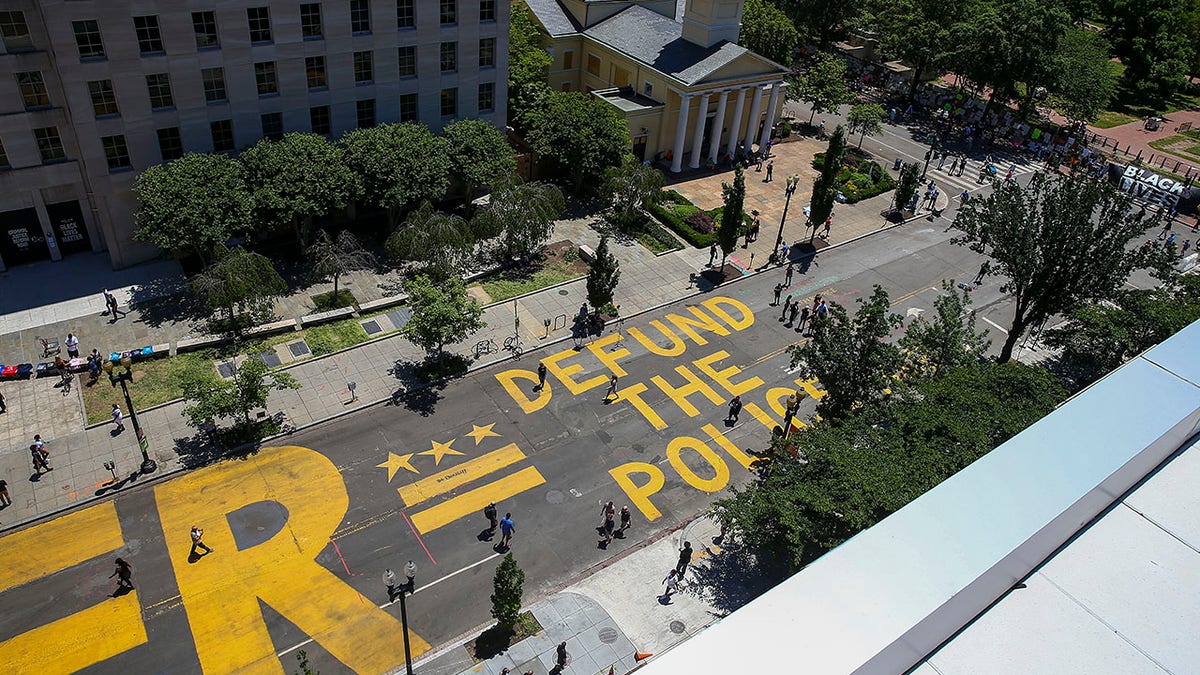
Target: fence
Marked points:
1161	160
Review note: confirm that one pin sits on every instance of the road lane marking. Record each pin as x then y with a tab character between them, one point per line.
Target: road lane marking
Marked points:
58	544
995	325
469	502
418	536
460	474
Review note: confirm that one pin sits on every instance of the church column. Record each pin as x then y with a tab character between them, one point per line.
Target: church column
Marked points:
752	123
714	141
766	132
735	126
698	134
680	132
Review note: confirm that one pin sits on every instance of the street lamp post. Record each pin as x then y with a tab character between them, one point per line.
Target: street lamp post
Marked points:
148	465
792	182
404	627
932	140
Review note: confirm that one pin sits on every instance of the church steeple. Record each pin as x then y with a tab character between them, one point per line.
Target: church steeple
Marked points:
707	22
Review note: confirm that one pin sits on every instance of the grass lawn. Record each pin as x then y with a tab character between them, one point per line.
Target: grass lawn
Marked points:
559	262
1128	105
155	381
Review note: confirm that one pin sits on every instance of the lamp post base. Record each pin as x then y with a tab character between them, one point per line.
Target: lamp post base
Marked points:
148	466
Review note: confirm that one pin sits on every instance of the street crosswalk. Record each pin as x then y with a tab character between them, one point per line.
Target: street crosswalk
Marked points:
955	184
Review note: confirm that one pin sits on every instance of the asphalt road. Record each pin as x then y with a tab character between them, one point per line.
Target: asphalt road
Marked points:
407	482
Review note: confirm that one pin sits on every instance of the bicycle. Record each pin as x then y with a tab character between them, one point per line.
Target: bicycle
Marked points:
487	346
513	344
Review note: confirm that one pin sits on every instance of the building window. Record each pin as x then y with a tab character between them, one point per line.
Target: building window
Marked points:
364	67
116	152
259	19
448	11
15	32
487	53
620	76
87	38
318	117
205	26
4	157
33	90
264	77
568	59
104	100
408	107
449	57
360	16
170	143
272	126
408	61
214	84
593	64
49	144
487	97
647	88
314	66
222	135
159	86
450	102
487	10
149	37
406	14
310	21
366	113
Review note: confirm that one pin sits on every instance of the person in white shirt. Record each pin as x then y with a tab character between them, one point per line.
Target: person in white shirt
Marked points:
72	346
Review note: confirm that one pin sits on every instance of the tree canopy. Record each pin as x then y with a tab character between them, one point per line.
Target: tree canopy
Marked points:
866	119
335	256
528	61
768	31
210	399
440	241
604	272
479	154
296	178
950	340
629	186
1058	242
925	33
398	165
1156	41
1084	78
443	313
733	214
584	134
239	280
824	85
189	205
522	215
825	187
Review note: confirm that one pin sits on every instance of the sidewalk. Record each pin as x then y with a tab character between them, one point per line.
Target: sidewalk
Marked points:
610	616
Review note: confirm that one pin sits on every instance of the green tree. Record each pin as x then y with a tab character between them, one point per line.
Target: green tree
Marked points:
825	187
1018	54
443	313
824	86
768	31
507	592
528	61
850	473
733	215
629	186
1085	79
239	281
924	33
584	134
295	179
335	256
1154	39
440	241
865	120
850	356
397	166
1058	242
949	340
522	215
823	20
189	205
604	272
906	186
210	399
479	155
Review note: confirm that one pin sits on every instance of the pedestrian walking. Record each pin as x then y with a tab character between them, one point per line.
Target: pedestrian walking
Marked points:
40	465
804	313
626	519
389	580
118	418
792	314
541	371
489	512
758	166
784	251
787	303
1166	230
712	254
410	573
672	582
770	170
612	389
124	574
609	526
754	227
1187	243
608	511
787	276
984	269
685	557
942	161
735	409
507	529
109	300
778	289
113	307
561	657
198	541
72	343
4	407
5	500
828	226
1170	241
962	166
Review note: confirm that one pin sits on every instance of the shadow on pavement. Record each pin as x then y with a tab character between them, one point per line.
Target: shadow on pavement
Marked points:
731	579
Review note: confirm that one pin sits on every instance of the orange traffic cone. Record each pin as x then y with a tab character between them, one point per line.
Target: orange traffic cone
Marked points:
641	656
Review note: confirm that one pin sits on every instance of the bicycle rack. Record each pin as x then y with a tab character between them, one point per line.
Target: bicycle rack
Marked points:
560	321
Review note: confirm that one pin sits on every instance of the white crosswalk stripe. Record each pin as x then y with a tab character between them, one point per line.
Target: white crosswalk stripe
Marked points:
967	181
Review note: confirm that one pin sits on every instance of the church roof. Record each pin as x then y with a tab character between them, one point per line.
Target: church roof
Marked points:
553	17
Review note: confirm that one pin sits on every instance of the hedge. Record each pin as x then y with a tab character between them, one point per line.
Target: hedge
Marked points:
673	211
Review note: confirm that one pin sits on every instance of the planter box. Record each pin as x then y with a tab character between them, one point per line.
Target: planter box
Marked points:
274	327
194	344
326	317
381	303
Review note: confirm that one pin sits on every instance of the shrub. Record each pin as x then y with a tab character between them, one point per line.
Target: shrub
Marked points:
701	222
